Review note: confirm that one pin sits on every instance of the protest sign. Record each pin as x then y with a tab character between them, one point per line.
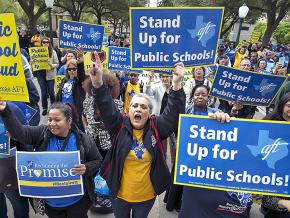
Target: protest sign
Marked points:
119	58
105	39
102	55
12	79
57	82
29	112
245	87
162	37
217	155
4	140
243	43
75	35
48	174
39	58
163	71
255	37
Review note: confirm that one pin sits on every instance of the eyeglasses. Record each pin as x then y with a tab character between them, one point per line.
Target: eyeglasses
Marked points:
45	42
71	69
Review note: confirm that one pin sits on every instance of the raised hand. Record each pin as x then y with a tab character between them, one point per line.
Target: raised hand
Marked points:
178	74
2	105
96	71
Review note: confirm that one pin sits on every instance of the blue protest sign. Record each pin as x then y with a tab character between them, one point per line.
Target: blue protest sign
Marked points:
80	35
162	37
135	71
245	87
119	58
48	174
105	39
219	156
4	140
163	71
30	112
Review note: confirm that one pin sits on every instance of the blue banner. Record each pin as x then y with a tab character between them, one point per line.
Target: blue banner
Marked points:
30	112
105	39
119	58
245	87
4	140
80	35
242	155
169	72
162	37
48	174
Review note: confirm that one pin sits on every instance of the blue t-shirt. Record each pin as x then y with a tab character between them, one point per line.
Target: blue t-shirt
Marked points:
67	92
55	144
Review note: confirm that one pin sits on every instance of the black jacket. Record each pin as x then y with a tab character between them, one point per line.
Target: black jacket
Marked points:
121	132
39	136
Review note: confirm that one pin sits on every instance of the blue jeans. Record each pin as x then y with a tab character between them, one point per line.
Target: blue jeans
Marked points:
20	204
122	209
46	88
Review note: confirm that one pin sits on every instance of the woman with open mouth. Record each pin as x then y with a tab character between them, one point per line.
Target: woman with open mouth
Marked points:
135	168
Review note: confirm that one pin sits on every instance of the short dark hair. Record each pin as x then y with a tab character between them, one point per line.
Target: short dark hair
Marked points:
196	87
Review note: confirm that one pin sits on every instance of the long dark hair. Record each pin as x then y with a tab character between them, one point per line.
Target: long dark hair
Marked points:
50	48
277	113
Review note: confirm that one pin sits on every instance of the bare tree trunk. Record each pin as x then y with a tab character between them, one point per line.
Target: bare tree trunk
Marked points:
32	25
99	19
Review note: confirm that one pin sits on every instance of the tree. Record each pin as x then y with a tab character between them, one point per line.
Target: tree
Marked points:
276	10
29	7
100	8
73	7
6	6
166	3
280	33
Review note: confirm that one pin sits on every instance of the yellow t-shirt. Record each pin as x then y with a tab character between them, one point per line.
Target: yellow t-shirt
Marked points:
136	184
131	90
238	59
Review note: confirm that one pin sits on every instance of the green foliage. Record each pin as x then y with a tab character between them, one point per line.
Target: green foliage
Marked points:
282	30
287	38
260	27
281	34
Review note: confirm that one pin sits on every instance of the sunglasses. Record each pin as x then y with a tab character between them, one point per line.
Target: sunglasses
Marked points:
134	75
71	69
45	42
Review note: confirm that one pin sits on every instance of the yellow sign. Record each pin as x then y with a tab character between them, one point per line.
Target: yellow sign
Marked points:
255	37
39	58
243	43
103	57
12	79
57	82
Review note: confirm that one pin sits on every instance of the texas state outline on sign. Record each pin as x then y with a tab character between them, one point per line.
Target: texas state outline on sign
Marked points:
272	150
203	31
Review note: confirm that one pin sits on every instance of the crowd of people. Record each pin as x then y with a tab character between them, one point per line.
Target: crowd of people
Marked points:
125	128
